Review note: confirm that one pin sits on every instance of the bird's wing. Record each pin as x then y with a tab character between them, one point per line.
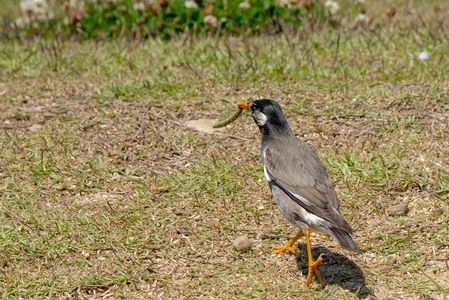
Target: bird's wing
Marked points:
297	170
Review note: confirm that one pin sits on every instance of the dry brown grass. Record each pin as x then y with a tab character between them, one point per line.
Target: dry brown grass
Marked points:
105	194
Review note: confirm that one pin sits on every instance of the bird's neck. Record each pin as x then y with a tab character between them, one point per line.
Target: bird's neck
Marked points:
269	133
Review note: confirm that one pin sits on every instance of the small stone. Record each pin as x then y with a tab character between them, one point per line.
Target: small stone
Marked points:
437	296
423	56
400	209
60	187
242	243
391	259
35	128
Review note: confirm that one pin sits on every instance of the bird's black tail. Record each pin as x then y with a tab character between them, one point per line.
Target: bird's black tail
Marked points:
344	239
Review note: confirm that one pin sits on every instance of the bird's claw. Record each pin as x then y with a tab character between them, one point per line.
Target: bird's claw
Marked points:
313	270
284	248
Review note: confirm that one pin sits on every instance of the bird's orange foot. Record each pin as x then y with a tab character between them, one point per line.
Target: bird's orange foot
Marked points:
281	249
289	245
313	270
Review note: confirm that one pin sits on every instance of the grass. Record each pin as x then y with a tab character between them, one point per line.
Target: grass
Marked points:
104	193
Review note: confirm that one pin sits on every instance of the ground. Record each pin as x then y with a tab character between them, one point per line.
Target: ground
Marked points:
105	193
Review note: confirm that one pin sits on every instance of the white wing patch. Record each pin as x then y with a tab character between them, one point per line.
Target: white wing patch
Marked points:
265	171
310	218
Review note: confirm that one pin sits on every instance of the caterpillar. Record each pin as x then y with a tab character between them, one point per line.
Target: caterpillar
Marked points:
229	120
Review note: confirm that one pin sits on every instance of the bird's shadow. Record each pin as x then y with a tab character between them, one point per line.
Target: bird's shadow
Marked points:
336	269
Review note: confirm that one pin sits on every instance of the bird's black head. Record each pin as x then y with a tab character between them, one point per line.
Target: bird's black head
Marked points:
269	117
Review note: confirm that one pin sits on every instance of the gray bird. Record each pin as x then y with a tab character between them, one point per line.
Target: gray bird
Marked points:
299	183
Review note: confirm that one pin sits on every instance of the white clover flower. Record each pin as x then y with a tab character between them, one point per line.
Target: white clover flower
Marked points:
33	7
139	6
362	19
361	1
332	6
211	21
190	4
244	5
27	7
423	56
33	10
283	3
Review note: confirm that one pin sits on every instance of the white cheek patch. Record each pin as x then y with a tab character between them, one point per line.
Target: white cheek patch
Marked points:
260	118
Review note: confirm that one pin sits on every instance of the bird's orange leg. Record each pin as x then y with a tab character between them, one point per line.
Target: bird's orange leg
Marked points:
289	245
313	265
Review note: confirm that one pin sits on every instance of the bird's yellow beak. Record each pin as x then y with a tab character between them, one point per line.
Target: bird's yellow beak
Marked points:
244	105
